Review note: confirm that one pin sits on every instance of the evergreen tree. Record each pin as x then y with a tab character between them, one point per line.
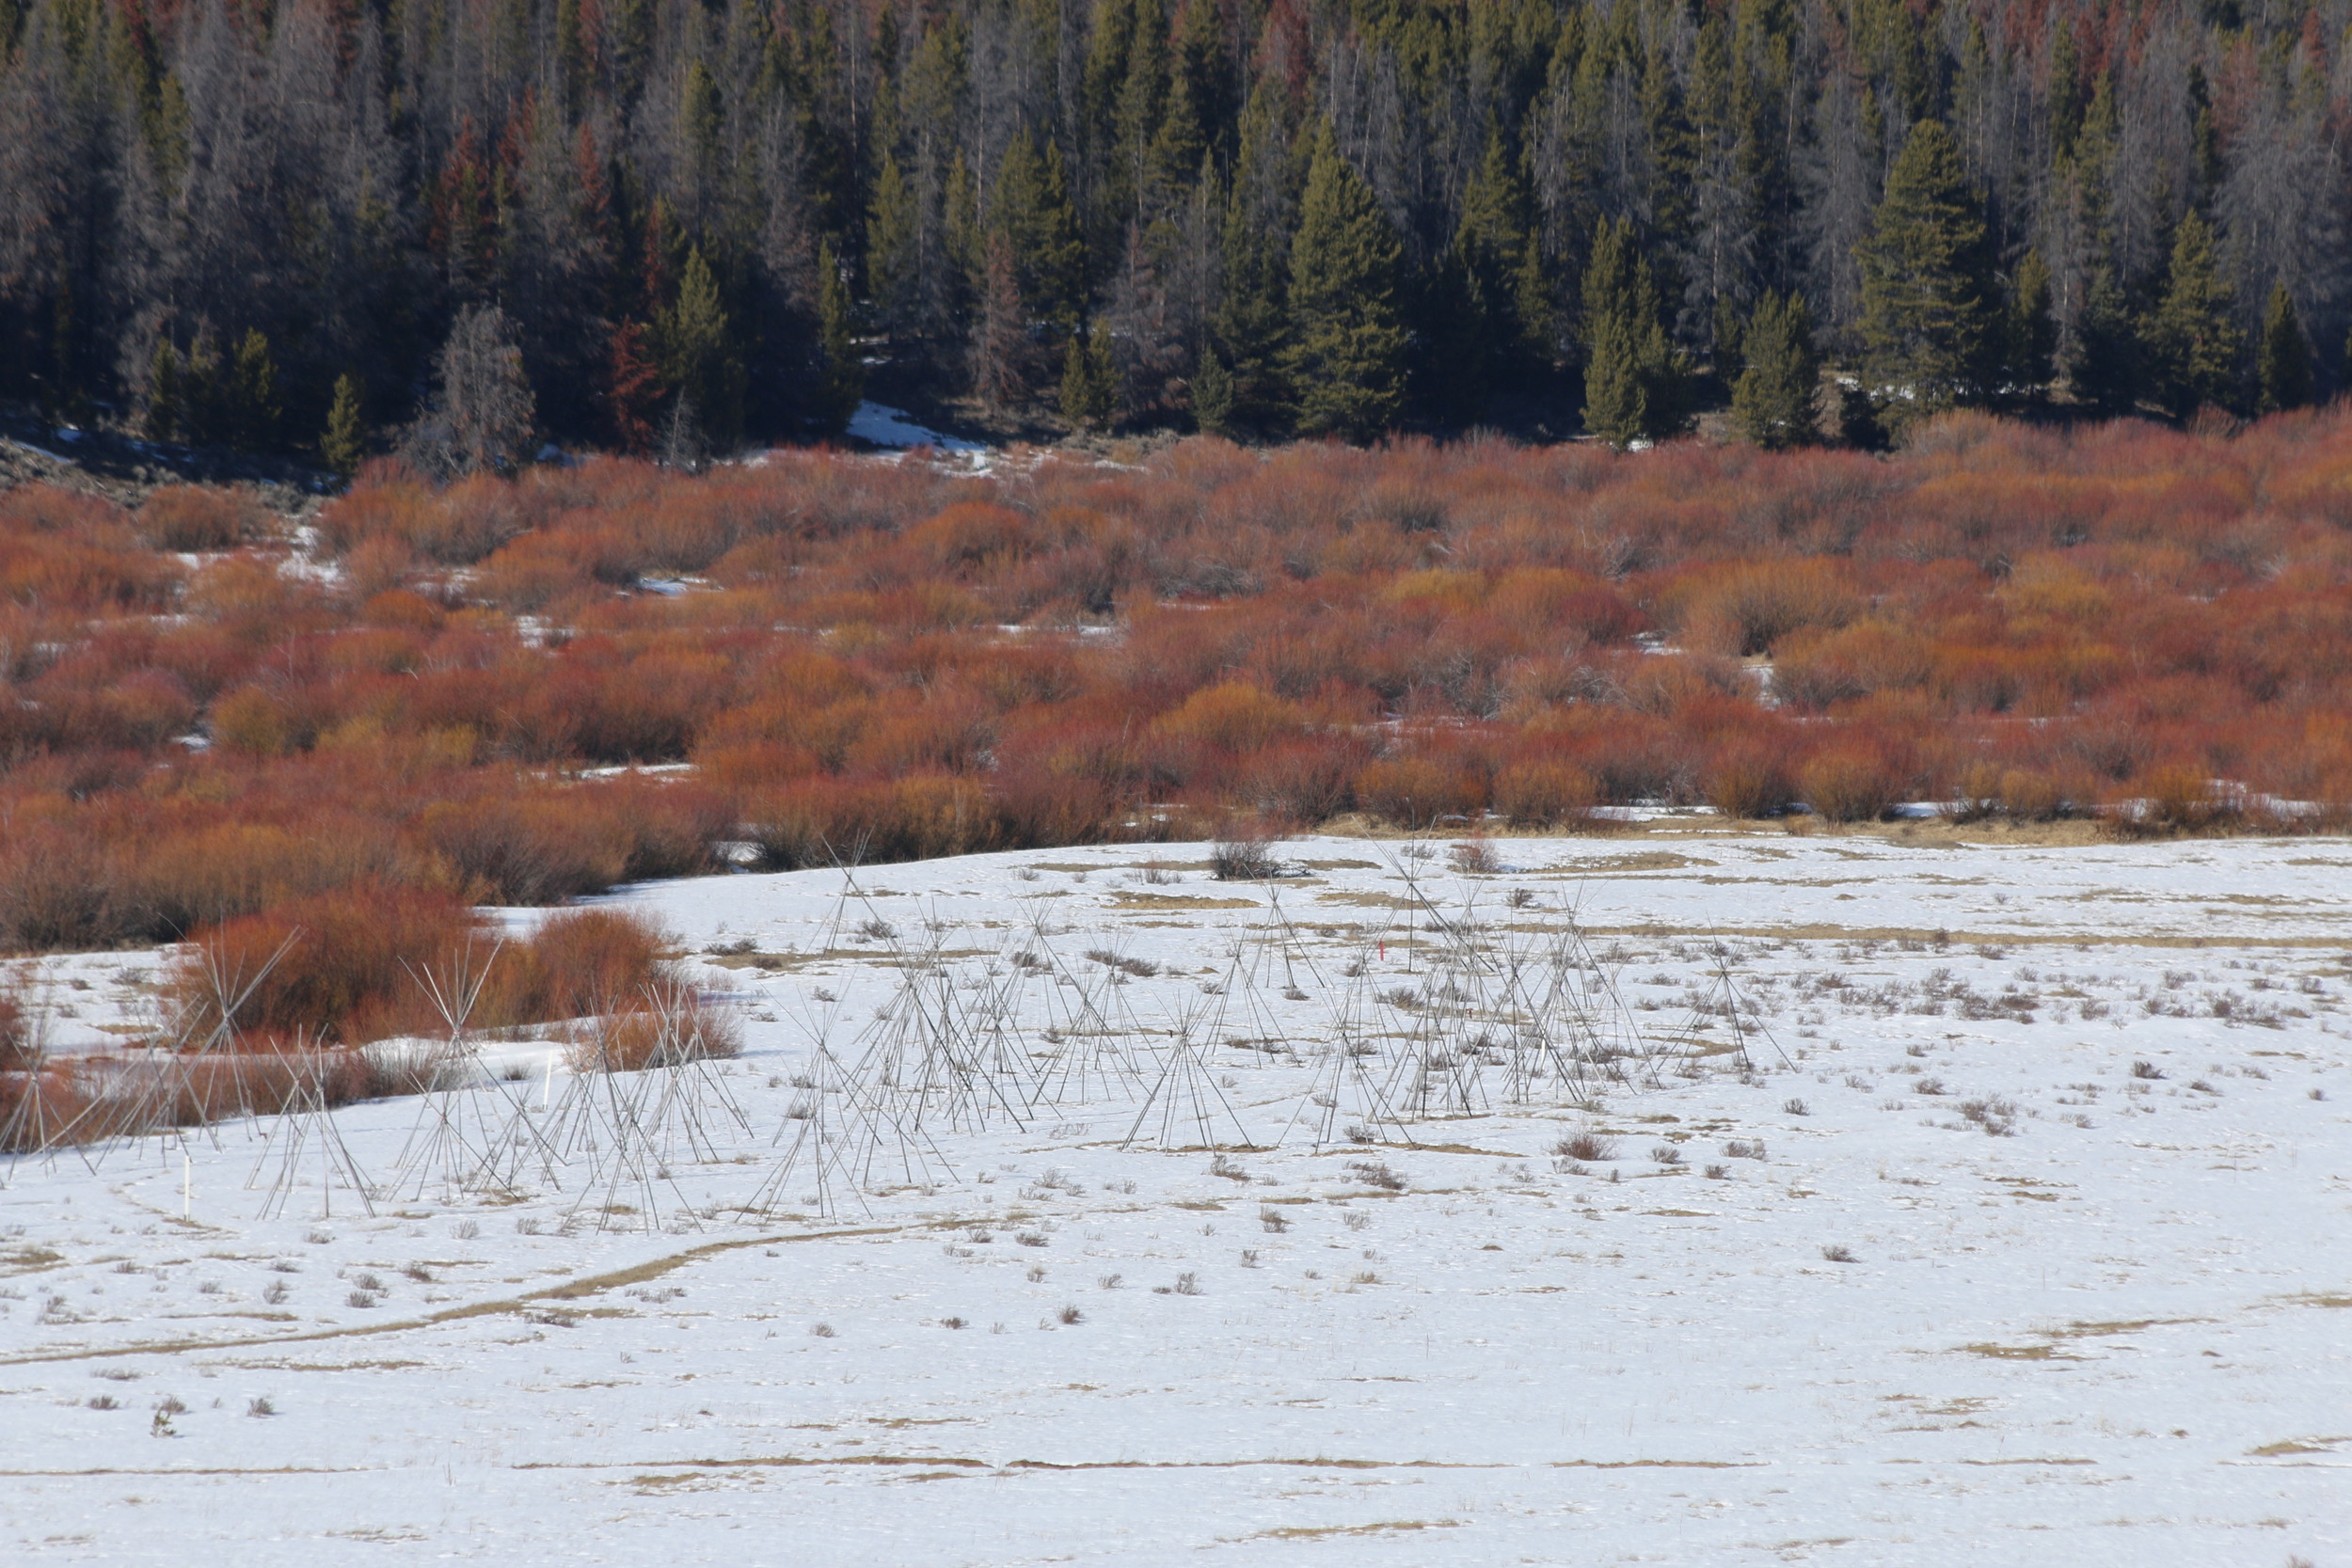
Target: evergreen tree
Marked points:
165	414
699	360
253	411
2287	356
339	184
1616	392
1347	359
891	258
2030	333
843	386
204	402
2109	365
1089	381
2065	90
700	117
1773	403
1636	386
1252	322
1213	394
968	246
2192	341
1494	322
344	443
1030	205
1927	307
999	341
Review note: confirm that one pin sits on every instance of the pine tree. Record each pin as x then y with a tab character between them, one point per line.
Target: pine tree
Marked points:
890	244
843	386
165	414
203	399
2030	333
1493	281
1347	360
1252	322
1089	381
967	245
999	341
344	441
1616	392
698	352
1929	313
1030	205
1213	394
2108	368
2065	91
2194	344
1773	403
1636	386
2287	356
699	117
253	412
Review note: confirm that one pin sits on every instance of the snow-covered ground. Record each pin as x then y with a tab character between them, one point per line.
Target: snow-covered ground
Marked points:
1932	1275
885	426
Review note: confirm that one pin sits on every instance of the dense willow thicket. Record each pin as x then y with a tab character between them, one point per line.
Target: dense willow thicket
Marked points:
299	225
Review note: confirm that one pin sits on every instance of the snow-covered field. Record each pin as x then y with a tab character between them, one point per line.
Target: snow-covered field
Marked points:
1932	1275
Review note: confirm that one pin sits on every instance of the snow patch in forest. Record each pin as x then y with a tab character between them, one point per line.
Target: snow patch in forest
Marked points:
885	426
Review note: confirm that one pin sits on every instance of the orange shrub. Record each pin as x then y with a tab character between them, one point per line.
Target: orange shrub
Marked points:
901	660
1748	608
1236	717
1748	778
336	966
1847	783
1418	791
197	517
668	1024
578	962
528	849
1546	794
972	535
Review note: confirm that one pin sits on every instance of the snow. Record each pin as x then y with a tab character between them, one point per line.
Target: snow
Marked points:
39	451
885	426
2118	1334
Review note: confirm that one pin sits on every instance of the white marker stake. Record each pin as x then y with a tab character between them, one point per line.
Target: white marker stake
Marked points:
187	1186
547	1085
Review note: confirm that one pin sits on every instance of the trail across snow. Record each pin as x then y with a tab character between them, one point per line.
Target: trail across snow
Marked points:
2092	1313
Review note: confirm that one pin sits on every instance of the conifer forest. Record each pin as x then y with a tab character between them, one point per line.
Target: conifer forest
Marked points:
330	229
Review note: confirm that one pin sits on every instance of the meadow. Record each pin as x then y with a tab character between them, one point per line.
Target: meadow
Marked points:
224	724
1714	1195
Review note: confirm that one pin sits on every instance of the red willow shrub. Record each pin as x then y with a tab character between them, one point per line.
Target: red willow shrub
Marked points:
361	963
863	659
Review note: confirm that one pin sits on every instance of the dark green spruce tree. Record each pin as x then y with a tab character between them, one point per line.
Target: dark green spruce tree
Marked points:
2029	332
2193	344
1347	359
1636	385
699	355
1773	403
1251	324
2285	370
1491	317
344	443
1930	315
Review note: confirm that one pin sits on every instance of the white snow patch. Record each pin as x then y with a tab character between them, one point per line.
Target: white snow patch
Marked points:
885	426
2113	1331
